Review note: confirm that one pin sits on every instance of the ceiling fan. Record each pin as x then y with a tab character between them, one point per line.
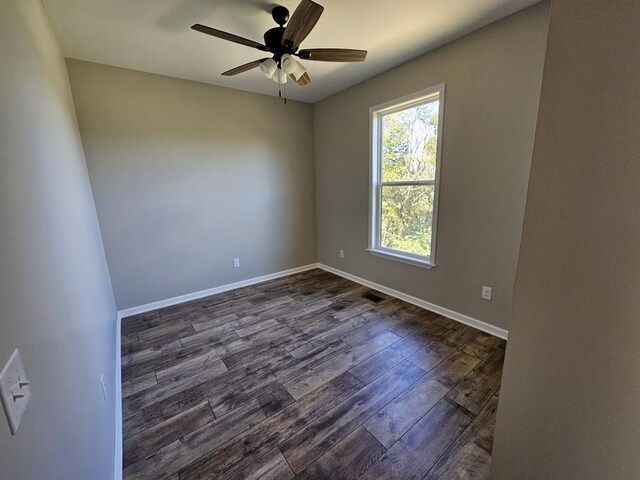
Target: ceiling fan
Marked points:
283	42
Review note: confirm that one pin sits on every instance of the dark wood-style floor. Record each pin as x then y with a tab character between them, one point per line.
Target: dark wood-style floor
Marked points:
308	376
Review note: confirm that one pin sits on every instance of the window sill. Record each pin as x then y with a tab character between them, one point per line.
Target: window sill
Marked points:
398	257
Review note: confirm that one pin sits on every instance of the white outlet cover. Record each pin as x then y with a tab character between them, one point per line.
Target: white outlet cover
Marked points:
486	292
14	390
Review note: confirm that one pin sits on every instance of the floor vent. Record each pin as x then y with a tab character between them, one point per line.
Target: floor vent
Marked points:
372	297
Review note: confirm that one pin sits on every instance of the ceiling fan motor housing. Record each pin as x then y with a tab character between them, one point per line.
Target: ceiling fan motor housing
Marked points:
273	36
273	40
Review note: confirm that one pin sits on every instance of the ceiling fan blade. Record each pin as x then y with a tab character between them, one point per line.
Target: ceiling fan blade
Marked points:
333	55
305	79
229	36
243	68
301	23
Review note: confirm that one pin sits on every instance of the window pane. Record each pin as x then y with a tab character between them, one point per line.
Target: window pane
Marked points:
407	217
410	143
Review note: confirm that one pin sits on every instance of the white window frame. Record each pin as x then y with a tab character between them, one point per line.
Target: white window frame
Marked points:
375	175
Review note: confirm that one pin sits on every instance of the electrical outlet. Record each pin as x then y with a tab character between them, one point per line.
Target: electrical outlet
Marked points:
104	389
486	292
341	253
236	263
14	390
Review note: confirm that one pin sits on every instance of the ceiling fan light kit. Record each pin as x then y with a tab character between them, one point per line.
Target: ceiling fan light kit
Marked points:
283	43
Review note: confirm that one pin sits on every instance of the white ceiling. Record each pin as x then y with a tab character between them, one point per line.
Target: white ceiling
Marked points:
154	36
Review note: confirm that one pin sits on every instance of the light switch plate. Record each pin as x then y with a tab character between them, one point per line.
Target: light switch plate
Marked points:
14	390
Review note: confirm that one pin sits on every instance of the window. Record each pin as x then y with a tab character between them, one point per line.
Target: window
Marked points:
406	140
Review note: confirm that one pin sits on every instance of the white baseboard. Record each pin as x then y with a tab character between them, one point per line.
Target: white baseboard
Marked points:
459	317
117	463
212	291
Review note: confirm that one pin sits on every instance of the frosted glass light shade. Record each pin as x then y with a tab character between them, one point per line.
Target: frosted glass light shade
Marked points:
279	76
291	66
299	71
288	64
269	67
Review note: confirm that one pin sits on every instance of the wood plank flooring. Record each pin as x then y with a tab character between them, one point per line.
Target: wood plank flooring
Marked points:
310	376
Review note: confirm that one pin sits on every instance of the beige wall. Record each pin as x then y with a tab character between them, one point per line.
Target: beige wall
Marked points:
492	91
571	386
187	176
56	303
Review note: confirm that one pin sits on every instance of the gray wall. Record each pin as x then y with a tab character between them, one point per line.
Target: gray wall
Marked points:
571	386
493	84
56	301
187	176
